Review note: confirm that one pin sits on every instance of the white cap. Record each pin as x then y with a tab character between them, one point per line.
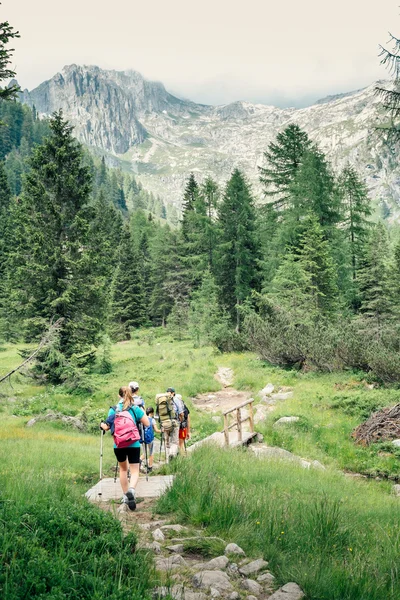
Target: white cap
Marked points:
134	385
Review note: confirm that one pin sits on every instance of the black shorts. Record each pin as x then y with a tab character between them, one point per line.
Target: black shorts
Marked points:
132	454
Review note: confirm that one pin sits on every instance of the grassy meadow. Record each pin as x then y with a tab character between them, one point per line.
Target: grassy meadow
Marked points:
338	538
341	536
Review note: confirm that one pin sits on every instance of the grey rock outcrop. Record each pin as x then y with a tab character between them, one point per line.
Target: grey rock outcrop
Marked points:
251	586
290	591
255	566
234	549
117	111
212	579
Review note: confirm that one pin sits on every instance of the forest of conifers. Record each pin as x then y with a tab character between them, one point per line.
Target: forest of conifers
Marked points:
301	275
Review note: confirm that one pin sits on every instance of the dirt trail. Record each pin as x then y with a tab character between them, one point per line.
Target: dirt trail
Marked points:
228	397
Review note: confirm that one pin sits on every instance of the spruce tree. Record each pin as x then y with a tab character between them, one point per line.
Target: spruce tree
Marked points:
163	262
210	194
316	260
205	314
313	189
292	290
194	241
283	158
356	206
128	309
7	33
238	251
50	263
5	243
373	279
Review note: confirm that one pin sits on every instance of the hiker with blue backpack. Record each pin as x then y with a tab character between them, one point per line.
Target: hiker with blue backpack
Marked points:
148	437
124	421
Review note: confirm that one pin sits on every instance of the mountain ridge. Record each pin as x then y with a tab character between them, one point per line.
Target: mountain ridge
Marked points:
164	137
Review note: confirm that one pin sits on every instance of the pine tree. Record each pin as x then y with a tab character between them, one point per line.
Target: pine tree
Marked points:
390	96
373	279
205	314
292	290
283	158
357	209
50	262
194	241
316	260
5	243
163	262
7	33
210	194
313	190
128	304
237	270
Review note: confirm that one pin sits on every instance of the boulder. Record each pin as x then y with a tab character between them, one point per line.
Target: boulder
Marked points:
266	579
176	528
251	598
234	596
285	420
214	593
178	592
170	563
269	388
158	535
305	464
251	586
154	547
317	465
290	591
396	490
255	566
151	525
234	549
274	398
221	562
261	414
396	443
272	452
212	579
177	548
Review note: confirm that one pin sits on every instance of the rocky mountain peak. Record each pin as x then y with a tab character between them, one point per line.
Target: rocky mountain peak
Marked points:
166	138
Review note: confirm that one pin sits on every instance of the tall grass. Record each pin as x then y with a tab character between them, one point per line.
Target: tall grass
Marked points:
339	539
53	543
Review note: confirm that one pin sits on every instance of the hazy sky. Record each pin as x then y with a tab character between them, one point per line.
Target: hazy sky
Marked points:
283	52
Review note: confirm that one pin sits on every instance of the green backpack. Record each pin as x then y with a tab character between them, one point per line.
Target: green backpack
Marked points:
165	411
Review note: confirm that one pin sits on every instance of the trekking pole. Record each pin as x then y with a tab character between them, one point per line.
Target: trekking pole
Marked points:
116	471
147	463
101	460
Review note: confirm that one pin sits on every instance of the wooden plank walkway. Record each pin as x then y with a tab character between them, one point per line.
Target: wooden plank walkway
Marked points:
106	490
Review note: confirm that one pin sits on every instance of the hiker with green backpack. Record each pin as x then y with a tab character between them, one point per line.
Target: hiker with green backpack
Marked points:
124	421
166	412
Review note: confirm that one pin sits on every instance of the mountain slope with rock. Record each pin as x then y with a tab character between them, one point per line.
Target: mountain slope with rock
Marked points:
164	138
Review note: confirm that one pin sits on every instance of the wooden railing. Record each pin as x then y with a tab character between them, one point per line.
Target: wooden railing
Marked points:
238	421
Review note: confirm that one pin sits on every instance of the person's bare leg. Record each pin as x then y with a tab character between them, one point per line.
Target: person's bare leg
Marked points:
123	475
134	475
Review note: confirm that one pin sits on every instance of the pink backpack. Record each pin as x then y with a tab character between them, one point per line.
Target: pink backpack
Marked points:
125	429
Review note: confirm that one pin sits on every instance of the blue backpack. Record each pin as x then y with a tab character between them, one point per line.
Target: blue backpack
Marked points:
148	435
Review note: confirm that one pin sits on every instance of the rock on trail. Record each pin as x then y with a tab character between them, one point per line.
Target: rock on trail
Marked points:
224	376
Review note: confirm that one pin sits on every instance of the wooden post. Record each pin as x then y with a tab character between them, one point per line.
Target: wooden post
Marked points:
226	430
239	424
251	417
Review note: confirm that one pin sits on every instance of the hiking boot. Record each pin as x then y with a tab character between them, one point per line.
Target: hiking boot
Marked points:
131	502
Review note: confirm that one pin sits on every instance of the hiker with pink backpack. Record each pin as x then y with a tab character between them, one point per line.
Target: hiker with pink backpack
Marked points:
123	421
